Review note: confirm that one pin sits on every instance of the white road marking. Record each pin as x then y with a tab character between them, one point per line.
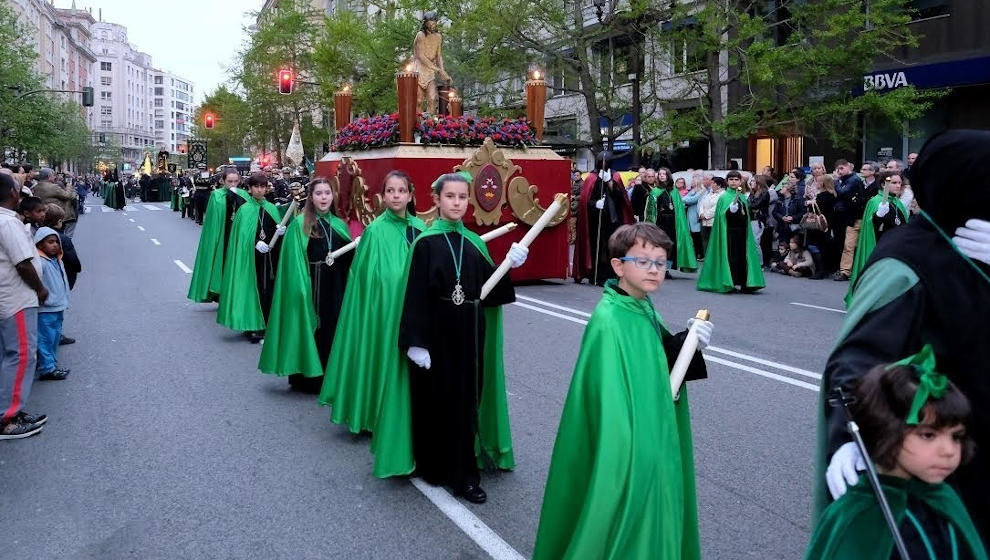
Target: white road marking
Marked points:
708	356
475	528
129	208
139	227
150	207
818	307
183	266
554	305
131	219
106	209
155	241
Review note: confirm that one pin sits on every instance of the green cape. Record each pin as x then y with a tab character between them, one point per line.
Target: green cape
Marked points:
715	274
868	238
208	268
365	356
240	306
853	526
685	245
289	346
621	481
392	440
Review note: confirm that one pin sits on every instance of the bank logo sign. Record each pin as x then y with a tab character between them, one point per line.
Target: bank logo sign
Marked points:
884	81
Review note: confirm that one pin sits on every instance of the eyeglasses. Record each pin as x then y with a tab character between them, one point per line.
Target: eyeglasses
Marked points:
644	263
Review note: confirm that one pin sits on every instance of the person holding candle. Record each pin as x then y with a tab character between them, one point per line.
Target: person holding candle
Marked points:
621	481
366	372
309	291
249	281
732	258
207	276
883	213
665	208
604	206
453	339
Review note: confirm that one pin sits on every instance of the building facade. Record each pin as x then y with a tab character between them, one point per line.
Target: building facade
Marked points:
172	110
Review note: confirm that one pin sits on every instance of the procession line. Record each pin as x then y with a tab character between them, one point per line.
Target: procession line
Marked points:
729	363
818	307
183	266
468	522
139	227
155	241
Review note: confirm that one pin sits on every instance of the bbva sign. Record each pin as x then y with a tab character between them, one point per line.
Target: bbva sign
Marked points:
884	81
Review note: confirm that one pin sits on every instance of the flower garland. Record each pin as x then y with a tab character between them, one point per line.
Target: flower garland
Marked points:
368	132
472	131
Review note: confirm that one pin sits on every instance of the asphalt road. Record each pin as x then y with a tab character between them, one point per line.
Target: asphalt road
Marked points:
166	442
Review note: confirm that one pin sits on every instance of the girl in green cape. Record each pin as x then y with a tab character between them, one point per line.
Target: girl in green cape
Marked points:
309	290
460	415
207	276
732	258
913	422
365	358
665	208
621	481
883	213
249	280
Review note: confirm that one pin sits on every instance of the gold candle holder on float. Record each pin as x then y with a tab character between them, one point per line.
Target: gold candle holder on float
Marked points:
406	84
342	101
536	102
454	104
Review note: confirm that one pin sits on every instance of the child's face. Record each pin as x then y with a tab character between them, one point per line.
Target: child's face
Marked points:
258	192
50	245
37	215
793	245
397	194
452	200
638	281
930	454
782	249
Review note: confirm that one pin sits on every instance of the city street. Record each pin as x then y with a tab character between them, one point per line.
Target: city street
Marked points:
166	442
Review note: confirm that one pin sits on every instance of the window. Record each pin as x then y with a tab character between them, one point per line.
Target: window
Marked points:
104	80
180	106
923	9
158	103
106	111
158	80
105	95
106	123
159	91
566	127
159	124
106	66
562	77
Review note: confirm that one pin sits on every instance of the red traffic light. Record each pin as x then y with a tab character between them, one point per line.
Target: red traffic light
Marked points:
209	120
285	82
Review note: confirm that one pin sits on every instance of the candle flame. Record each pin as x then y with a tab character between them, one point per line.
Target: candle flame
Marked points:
452	94
536	74
347	88
409	67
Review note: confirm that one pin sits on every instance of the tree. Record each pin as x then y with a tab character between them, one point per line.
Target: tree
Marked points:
227	137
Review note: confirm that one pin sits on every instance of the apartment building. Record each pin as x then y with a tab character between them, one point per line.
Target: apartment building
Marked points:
172	110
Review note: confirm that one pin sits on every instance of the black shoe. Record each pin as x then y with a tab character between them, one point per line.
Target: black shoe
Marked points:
473	494
16	429
840	277
66	340
31	419
54	375
256	336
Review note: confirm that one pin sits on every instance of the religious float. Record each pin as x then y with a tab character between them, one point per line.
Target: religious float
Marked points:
512	178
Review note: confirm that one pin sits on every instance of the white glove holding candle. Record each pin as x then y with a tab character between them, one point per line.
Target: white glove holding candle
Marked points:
974	240
704	331
419	356
279	230
262	247
843	469
734	207
883	209
600	203
517	254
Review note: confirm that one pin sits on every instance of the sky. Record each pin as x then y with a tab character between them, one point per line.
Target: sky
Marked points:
194	39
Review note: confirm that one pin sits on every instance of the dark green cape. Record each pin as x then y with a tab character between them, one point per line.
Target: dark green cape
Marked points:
240	306
392	439
621	481
868	237
853	527
365	357
715	274
686	262
289	345
208	269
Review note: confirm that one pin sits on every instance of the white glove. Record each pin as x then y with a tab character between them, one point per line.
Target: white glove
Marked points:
974	240
517	254
279	230
607	176
734	207
419	356
262	247
600	203
842	469
704	331
883	209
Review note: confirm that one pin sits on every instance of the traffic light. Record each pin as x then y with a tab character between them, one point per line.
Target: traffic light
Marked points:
87	96
285	82
209	120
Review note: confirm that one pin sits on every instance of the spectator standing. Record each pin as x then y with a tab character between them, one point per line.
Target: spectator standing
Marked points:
706	208
796	180
692	200
850	201
788	213
20	291
824	242
759	209
52	311
49	192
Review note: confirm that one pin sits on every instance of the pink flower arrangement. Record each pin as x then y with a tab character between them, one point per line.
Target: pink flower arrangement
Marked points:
368	132
472	131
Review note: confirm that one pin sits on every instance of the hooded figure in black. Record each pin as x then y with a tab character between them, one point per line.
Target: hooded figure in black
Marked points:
919	287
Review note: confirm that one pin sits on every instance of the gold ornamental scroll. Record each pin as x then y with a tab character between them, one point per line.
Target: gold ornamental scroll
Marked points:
490	169
525	205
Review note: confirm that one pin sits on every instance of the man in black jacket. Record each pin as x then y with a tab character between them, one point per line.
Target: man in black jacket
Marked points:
850	201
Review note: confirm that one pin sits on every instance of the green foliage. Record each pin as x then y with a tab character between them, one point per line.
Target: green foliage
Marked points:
227	137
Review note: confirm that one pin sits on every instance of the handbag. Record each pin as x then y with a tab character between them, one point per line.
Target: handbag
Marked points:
813	219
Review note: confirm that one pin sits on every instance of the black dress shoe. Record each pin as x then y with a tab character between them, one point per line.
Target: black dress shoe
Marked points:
66	340
473	494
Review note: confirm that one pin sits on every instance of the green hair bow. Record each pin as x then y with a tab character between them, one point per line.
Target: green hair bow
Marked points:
931	383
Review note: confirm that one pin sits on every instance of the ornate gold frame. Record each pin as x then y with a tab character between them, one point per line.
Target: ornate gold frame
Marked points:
486	154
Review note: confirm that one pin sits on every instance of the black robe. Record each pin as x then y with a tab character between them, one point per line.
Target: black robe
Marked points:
266	264
329	283
445	398
667	221
736	238
234	202
611	219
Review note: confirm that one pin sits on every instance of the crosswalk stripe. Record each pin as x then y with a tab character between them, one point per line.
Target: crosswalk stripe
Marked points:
150	207
130	208
106	209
